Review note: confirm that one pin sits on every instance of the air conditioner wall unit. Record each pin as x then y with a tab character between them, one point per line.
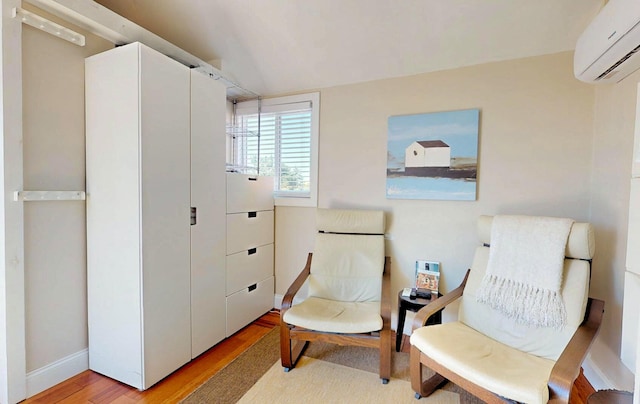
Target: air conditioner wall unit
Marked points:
609	48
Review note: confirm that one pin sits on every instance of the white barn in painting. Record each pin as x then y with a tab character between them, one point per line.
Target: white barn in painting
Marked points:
427	153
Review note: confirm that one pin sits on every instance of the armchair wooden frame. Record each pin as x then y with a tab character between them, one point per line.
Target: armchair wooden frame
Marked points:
294	340
563	375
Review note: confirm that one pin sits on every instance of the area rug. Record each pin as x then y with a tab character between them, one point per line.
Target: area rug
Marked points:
256	376
318	381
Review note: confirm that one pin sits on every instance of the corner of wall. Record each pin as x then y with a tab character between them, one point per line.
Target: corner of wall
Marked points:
604	369
277	301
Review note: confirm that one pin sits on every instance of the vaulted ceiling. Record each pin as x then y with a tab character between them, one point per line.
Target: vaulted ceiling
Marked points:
280	46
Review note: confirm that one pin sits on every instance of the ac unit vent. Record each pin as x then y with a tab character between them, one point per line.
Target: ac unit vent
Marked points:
618	63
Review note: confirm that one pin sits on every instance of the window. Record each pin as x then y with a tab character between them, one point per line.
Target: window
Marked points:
281	139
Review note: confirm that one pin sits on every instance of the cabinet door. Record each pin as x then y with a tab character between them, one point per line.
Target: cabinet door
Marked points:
113	214
208	196
165	207
631	301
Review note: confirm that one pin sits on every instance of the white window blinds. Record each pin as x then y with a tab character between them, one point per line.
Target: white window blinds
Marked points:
280	143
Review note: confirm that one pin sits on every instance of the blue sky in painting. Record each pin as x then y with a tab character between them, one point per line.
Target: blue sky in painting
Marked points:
458	129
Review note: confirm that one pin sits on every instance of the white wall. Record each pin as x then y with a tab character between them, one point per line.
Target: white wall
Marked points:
535	157
615	116
55	237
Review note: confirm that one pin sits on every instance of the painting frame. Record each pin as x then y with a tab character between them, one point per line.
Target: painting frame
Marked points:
433	155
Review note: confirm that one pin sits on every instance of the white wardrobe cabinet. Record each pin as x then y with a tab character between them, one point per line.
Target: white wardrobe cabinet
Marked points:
155	149
250	253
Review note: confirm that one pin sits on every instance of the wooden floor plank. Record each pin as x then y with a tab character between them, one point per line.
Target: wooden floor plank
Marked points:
55	394
123	400
93	388
89	392
109	394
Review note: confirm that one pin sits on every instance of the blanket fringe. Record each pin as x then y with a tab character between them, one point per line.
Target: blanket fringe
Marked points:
522	302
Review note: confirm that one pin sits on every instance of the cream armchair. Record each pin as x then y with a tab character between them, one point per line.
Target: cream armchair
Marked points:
348	279
494	357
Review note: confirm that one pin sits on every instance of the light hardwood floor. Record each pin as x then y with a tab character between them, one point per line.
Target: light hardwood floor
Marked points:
90	387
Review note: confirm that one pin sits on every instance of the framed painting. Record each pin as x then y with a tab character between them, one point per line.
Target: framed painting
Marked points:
433	155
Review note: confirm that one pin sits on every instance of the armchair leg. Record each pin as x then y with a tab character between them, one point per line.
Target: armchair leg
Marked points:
432	384
427	387
290	353
285	347
385	356
415	368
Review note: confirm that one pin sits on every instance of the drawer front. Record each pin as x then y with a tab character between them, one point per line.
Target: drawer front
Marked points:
248	304
248	267
249	230
247	193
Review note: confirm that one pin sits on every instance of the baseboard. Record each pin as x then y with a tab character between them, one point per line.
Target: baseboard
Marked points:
277	301
604	369
595	375
48	376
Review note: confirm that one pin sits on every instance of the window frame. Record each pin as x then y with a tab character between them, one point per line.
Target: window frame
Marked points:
314	99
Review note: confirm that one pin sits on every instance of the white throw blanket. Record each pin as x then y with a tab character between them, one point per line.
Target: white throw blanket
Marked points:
524	273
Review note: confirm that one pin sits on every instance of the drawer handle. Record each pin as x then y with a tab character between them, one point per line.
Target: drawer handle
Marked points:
252	251
253	287
252	214
253	178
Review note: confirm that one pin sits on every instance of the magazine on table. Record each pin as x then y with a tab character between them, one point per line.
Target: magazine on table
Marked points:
427	277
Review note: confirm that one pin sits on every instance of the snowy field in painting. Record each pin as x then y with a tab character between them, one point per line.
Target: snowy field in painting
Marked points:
430	188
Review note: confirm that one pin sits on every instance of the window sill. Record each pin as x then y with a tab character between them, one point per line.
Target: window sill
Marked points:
299	202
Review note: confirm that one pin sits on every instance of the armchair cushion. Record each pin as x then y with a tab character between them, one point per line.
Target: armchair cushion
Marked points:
335	316
350	221
347	267
486	362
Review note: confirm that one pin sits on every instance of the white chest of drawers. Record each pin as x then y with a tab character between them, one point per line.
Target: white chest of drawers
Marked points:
250	253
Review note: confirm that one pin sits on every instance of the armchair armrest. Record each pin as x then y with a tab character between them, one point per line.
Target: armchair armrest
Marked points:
430	309
385	300
567	368
287	300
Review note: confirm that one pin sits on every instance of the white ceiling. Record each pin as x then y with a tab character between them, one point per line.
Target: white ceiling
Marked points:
279	46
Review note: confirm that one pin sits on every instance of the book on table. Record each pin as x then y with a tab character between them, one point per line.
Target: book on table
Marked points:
427	278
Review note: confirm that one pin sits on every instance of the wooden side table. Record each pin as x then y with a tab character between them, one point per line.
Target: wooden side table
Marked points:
404	304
